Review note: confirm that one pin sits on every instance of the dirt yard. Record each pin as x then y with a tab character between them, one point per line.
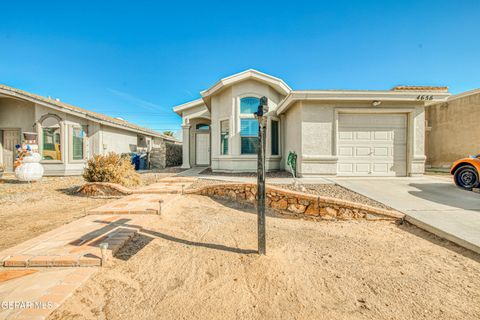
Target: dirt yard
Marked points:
28	210
198	262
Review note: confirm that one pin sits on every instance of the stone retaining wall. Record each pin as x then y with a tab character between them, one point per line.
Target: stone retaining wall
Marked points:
102	189
297	203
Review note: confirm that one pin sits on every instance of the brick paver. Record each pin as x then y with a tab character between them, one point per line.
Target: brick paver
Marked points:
37	293
76	244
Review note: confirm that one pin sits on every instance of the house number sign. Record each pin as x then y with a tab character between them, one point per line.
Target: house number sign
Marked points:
424	97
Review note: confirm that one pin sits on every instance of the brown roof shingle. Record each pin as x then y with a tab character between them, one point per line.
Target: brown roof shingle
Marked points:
94	115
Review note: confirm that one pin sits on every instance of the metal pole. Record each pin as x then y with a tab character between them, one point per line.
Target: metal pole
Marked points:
261	185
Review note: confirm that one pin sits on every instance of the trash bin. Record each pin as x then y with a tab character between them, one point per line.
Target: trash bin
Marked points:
136	160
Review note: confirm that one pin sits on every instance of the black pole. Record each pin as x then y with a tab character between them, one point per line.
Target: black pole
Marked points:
261	177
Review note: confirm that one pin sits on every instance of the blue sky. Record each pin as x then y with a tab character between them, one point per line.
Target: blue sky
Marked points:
137	59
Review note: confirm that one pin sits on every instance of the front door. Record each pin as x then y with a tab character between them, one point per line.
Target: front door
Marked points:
202	146
10	139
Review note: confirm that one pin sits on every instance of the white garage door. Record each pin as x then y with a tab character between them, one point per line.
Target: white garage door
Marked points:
372	145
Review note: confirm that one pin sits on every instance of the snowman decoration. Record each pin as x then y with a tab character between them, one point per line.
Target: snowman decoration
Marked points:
28	167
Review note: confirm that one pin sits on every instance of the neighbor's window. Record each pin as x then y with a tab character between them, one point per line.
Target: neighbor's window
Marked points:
78	143
274	134
249	136
202	126
249	105
224	133
51	133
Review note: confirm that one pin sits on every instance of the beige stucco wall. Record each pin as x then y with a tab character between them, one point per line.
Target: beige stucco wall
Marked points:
26	116
16	114
226	105
455	130
292	133
311	131
118	140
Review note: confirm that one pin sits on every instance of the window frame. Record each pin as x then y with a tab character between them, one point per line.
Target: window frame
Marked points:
244	116
41	127
70	144
229	144
270	133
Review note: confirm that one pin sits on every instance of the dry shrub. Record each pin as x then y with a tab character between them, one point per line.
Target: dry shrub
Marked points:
111	168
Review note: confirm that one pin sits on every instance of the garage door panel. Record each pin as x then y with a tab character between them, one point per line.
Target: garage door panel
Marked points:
372	145
360	135
345	151
381	135
382	151
362	168
348	135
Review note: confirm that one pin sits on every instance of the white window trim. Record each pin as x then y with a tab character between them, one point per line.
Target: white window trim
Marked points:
229	136
70	144
62	141
244	116
269	137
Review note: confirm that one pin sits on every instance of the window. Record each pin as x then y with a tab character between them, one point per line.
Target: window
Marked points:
249	105
249	136
274	136
51	134
224	134
202	126
78	143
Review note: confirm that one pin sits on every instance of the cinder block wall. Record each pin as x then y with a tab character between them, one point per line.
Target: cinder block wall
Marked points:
454	131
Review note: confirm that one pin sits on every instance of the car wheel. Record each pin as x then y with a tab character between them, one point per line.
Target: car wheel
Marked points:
466	177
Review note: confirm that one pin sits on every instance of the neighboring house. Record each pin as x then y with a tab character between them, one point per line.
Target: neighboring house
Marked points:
68	135
453	129
333	132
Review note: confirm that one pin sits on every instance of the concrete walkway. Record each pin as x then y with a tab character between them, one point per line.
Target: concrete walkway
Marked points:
432	203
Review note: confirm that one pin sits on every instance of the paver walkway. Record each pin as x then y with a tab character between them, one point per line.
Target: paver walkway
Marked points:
34	291
35	295
432	203
77	243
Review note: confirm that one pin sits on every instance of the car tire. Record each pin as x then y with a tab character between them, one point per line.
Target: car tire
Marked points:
466	177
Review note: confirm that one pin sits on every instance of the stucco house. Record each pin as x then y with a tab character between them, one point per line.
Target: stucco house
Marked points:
333	132
452	130
69	135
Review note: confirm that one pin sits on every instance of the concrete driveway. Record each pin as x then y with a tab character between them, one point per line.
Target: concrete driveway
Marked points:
432	203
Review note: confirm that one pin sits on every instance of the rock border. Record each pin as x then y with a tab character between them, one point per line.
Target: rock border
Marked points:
298	203
97	189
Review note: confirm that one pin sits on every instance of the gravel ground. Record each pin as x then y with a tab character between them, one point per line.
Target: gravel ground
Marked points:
336	191
30	209
198	261
274	174
200	183
326	190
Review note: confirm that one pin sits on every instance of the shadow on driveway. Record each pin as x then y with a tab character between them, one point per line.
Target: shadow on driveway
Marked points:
446	194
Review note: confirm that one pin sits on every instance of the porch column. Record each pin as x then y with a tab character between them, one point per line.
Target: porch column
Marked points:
186	147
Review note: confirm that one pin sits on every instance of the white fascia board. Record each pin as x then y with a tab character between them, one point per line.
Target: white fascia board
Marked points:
410	96
276	83
191	104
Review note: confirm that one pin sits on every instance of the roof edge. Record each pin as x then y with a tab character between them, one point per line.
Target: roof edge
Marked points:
351	95
80	112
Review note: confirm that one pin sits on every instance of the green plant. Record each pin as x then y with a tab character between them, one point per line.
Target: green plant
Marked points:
111	168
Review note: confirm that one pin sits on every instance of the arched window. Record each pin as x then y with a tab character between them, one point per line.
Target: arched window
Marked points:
249	105
51	138
202	126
